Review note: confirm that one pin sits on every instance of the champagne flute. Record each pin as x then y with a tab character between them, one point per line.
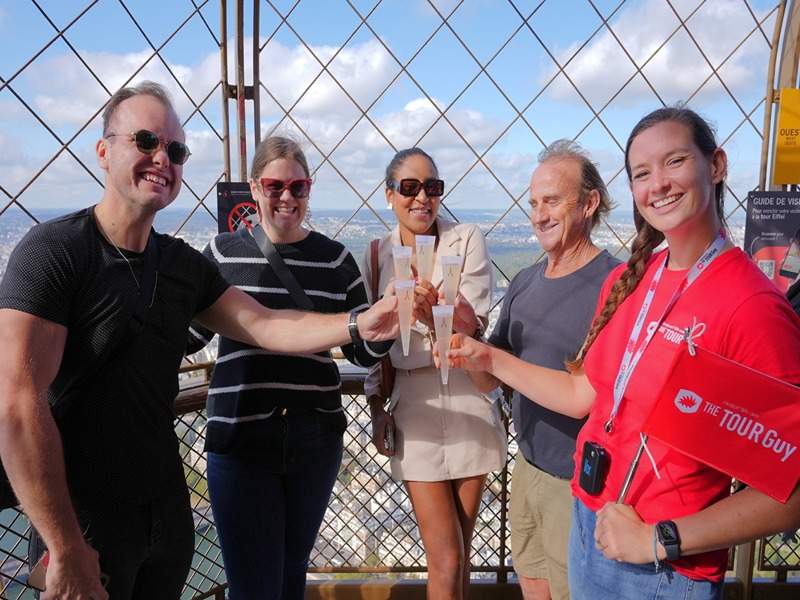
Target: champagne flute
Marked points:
451	276
404	290
426	255
402	262
443	323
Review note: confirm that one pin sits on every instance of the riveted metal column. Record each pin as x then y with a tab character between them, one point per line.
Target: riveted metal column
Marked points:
223	63
241	129
770	97
789	43
256	75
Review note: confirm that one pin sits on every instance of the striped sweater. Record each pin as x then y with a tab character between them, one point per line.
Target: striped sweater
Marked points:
250	385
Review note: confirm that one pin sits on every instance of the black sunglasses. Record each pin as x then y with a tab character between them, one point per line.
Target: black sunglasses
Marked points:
148	142
411	187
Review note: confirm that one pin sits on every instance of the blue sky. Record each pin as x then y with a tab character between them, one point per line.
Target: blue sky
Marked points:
61	90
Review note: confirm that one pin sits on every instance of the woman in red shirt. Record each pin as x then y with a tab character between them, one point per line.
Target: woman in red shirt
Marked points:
671	535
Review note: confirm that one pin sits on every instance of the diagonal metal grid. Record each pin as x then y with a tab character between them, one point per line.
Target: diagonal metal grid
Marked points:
369	525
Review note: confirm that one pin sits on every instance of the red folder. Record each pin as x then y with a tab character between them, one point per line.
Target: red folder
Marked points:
733	418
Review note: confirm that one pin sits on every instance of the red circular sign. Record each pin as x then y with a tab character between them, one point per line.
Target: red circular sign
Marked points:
244	214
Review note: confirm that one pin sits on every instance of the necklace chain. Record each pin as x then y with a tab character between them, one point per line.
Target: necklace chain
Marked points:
125	258
127	262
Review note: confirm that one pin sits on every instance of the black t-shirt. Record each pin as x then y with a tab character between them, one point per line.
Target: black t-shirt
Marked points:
118	434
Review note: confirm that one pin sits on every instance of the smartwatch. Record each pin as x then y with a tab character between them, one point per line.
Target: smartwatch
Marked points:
352	326
667	533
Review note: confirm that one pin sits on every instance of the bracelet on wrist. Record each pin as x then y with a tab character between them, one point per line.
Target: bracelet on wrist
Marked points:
656	562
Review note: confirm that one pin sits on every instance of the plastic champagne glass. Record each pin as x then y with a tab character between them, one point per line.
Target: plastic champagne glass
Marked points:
402	262
404	290
426	255
451	276
443	323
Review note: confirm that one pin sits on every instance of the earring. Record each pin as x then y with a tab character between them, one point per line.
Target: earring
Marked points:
388	205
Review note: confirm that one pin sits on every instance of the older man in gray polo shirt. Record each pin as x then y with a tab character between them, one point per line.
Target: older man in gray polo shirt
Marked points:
544	319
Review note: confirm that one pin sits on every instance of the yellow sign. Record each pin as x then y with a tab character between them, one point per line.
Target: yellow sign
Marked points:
787	142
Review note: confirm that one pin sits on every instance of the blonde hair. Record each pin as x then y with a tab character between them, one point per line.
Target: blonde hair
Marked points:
273	148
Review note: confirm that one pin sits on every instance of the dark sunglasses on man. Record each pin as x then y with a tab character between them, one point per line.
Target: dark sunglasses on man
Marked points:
411	187
148	142
273	188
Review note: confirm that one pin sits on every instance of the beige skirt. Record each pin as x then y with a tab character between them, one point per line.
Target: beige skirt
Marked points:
443	432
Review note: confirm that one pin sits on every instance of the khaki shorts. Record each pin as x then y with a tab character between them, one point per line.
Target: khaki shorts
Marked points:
540	515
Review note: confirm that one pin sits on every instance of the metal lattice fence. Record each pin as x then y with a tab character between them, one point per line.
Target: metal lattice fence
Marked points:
482	86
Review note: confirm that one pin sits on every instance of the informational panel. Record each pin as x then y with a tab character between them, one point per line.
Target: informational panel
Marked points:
235	206
787	140
772	235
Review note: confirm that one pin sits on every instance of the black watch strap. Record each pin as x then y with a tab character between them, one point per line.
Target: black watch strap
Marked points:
352	327
668	536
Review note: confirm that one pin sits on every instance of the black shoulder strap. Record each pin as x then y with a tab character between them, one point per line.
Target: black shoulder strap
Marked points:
281	270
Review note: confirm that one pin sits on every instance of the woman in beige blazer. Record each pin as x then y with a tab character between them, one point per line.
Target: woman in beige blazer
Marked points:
447	437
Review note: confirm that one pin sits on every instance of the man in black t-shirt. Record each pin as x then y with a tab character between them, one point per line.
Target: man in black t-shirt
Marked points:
68	333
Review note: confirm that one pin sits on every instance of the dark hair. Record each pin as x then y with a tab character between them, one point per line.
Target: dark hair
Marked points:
399	158
590	177
702	136
647	236
273	148
146	88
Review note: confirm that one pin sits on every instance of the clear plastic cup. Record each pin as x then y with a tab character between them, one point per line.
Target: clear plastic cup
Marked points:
426	255
404	290
443	323
451	277
402	262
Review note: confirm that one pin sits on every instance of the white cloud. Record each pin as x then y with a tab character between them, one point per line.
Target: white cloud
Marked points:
678	68
364	70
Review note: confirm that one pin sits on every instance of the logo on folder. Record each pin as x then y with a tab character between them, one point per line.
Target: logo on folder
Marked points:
687	401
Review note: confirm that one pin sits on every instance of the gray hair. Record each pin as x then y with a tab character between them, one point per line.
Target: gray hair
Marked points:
590	177
145	88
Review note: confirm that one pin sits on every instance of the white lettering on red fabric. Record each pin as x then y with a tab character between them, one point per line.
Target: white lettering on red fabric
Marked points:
749	428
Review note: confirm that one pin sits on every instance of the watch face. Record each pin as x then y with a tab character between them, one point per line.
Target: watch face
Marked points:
667	533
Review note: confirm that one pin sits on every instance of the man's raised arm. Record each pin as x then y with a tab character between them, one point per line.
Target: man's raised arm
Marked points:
236	315
30	449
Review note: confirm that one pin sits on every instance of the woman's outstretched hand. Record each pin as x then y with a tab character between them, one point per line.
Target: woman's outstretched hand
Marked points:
466	353
620	534
425	297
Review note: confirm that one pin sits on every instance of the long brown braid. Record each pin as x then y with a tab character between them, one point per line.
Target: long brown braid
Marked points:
648	237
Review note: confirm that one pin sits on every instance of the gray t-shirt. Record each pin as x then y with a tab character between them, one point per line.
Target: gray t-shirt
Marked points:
544	321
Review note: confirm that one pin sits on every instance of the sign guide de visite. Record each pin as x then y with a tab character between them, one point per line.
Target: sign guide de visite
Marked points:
772	235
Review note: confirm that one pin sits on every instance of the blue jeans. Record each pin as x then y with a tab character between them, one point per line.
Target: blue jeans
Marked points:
593	577
268	505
